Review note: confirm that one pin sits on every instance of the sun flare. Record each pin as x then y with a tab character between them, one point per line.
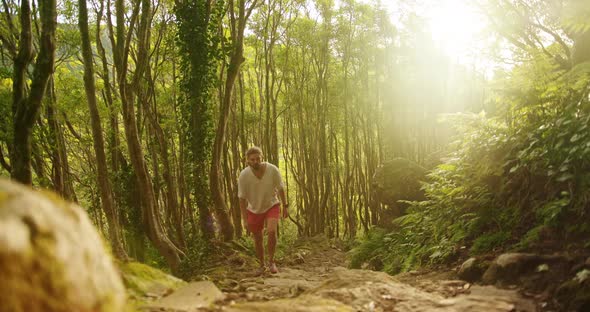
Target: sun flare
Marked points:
455	25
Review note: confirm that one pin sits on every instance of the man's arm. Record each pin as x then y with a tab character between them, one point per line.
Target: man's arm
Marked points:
285	203
243	202
243	206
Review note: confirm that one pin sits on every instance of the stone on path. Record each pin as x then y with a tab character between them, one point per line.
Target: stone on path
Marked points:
509	267
471	270
191	297
51	257
487	298
305	303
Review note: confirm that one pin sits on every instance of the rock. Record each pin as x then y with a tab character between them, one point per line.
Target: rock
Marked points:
574	295
361	289
471	270
191	297
542	268
508	268
487	298
298	258
51	257
229	284
287	283
305	303
144	281
582	276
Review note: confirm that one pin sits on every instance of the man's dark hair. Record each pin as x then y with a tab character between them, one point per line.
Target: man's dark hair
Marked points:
253	150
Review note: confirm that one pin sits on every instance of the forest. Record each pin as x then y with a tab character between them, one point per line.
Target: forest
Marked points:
475	115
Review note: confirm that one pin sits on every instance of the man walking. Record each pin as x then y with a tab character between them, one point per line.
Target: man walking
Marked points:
258	186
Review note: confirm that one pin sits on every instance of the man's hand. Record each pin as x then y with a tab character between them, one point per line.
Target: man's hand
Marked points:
285	211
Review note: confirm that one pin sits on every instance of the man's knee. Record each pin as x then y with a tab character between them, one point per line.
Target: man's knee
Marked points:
257	236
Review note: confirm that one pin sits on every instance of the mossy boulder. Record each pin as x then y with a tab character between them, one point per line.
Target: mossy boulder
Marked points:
472	270
534	272
144	282
51	257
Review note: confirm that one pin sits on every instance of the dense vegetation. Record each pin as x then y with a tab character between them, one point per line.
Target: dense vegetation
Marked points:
141	111
514	180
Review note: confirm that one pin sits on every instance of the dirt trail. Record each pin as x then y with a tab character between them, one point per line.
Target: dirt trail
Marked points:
314	278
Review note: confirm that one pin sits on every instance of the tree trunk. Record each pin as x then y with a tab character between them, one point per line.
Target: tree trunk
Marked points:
581	51
104	184
233	69
215	183
150	212
26	109
60	175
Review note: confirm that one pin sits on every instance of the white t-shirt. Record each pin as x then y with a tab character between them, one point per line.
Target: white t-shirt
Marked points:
261	193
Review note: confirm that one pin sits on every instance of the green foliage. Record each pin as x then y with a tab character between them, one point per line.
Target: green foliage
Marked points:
368	249
5	109
285	242
199	47
507	182
489	241
199	257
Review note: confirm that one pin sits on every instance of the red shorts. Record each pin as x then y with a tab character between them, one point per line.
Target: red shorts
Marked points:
256	221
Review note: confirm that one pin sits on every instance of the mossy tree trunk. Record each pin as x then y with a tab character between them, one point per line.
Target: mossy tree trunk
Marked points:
26	107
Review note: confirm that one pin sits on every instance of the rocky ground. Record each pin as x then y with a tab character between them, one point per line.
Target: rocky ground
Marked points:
314	278
52	259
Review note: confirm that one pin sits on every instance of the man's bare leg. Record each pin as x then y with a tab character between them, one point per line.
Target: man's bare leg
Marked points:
271	224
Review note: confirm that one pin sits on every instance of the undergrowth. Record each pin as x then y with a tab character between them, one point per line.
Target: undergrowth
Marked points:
515	181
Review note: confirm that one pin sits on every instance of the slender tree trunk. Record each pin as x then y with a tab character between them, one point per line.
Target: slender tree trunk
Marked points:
113	146
233	69
57	174
169	180
154	228
214	175
104	184
61	175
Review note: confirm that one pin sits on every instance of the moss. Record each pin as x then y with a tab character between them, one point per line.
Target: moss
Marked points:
51	270
140	279
36	279
4	196
59	202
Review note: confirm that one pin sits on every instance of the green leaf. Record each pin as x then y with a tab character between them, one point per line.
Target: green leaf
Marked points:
576	138
565	177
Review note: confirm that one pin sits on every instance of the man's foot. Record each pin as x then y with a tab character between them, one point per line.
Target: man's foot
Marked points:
272	267
260	271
